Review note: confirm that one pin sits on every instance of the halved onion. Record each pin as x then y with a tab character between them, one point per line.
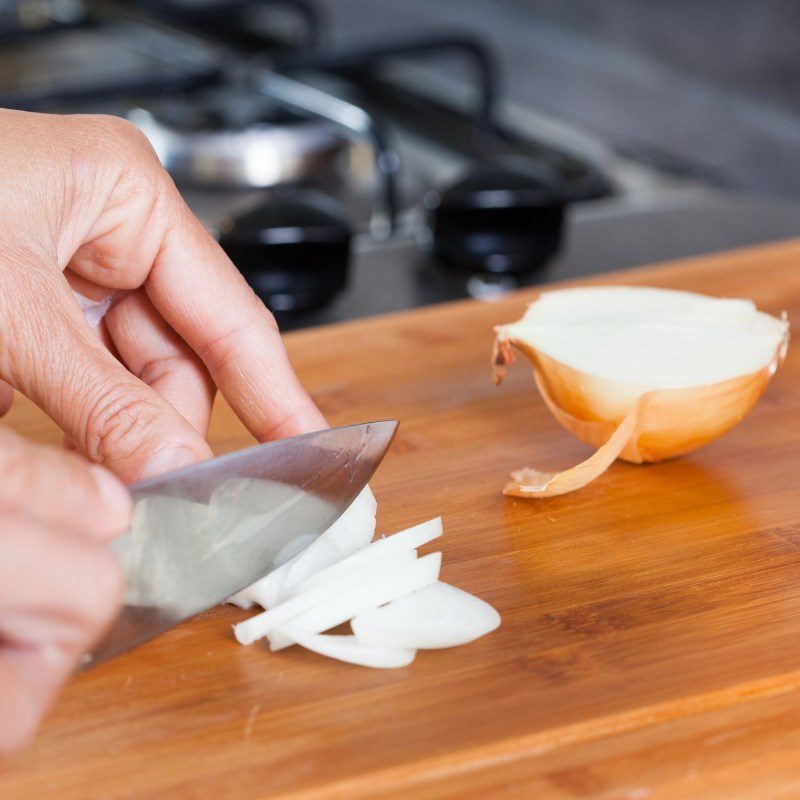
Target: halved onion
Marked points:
439	615
642	374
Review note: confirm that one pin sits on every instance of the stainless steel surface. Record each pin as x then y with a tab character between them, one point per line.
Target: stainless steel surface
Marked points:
200	534
76	66
260	155
660	208
355	122
600	236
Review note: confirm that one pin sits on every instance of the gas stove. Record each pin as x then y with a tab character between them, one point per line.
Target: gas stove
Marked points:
361	179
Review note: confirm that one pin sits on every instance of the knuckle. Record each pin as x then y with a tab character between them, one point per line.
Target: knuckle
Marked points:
223	348
156	368
118	424
117	142
121	129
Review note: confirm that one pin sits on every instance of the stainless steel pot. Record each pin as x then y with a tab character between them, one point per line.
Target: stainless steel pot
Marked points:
259	155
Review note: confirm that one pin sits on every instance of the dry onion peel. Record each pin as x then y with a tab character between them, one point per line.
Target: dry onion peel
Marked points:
581	341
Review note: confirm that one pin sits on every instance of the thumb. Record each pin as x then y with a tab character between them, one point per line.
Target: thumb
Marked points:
50	355
60	489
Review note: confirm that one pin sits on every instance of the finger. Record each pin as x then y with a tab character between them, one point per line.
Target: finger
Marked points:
104	335
153	352
119	246
199	292
61	488
6	397
63	577
52	356
58	593
146	234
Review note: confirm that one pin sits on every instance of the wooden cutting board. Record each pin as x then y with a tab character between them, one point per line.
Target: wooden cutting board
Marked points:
650	645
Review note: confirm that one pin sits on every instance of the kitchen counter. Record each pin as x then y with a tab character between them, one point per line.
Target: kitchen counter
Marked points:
650	645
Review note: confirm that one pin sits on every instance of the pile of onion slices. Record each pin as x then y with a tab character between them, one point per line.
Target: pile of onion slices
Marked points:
642	374
392	598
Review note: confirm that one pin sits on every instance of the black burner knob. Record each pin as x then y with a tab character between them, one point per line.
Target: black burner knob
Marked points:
499	220
293	250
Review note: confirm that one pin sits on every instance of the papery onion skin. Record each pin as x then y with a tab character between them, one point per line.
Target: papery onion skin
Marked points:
672	422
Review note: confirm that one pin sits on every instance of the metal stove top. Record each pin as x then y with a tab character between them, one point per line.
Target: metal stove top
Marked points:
335	178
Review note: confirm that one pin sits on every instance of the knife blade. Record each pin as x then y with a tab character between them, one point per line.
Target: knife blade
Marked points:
204	532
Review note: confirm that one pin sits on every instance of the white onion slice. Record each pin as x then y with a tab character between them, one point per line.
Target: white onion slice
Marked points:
392	599
244	599
402	541
439	615
348	648
262	624
375	590
352	531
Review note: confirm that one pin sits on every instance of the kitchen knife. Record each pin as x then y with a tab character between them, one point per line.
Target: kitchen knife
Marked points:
204	532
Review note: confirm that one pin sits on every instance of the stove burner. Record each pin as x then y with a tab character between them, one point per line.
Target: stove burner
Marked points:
498	219
294	251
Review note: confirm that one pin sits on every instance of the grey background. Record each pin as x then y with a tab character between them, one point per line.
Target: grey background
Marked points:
714	84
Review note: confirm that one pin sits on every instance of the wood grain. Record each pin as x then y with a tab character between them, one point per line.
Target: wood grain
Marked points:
650	645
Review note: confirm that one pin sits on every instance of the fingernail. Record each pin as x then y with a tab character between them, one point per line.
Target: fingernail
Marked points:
168	460
113	493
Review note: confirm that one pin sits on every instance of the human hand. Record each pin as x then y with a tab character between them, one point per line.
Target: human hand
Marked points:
60	586
85	204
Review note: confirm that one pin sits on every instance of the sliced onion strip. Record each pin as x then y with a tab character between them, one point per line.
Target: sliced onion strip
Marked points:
402	541
392	599
374	591
352	531
261	625
351	650
439	615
